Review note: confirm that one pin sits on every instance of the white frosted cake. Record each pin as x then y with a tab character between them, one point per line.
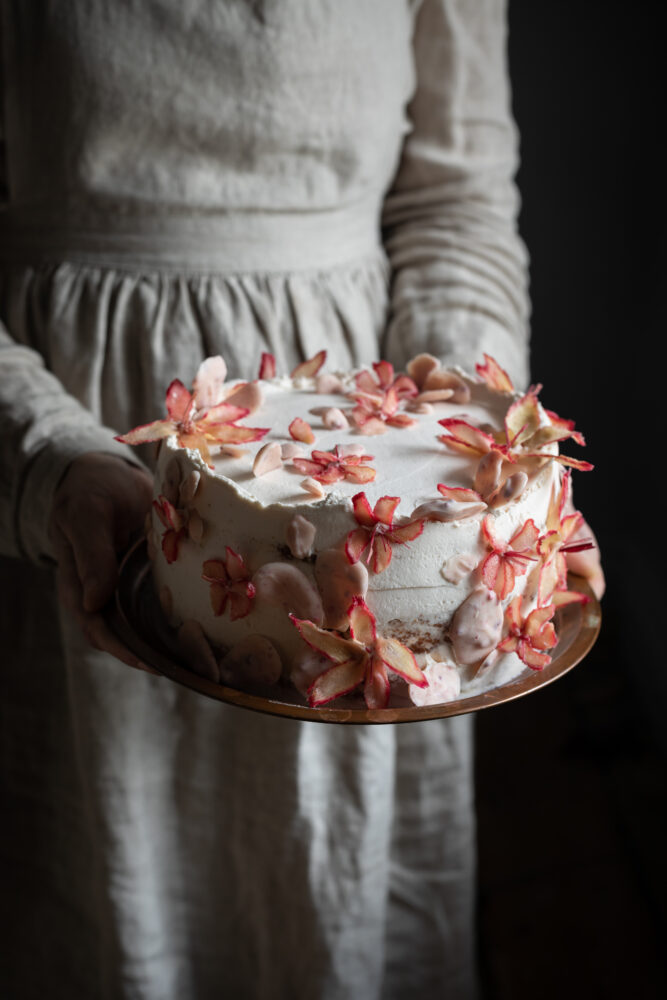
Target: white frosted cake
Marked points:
367	534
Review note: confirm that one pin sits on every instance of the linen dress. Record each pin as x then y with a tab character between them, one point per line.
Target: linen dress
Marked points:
184	179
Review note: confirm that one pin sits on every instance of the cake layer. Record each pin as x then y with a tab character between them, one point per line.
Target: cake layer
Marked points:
413	598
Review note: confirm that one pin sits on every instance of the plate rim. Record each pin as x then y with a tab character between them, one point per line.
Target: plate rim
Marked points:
116	616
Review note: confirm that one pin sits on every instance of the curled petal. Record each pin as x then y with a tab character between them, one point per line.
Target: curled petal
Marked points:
401	660
494	376
358	473
180	403
329	644
381	551
384	509
402	533
155	431
356	544
301	431
310	368
362	510
459	494
267	366
420	367
376	686
247	395
362	622
208	383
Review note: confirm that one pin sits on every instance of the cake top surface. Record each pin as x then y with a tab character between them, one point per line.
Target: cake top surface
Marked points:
409	461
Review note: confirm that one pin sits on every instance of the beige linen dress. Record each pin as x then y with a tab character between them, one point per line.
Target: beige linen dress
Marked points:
191	178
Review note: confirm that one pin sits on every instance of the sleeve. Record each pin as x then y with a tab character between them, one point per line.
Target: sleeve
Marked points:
459	269
42	429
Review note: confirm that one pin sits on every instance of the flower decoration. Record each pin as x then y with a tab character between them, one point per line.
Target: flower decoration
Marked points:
531	635
385	379
563	525
377	531
374	413
230	582
364	658
525	438
434	382
507	560
173	522
331	466
494	376
198	418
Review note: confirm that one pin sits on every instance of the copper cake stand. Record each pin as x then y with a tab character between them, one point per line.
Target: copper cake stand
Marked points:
136	618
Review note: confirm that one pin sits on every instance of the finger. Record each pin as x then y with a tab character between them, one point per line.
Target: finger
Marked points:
101	637
70	591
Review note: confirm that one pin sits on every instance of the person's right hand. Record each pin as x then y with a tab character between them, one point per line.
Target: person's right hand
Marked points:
100	503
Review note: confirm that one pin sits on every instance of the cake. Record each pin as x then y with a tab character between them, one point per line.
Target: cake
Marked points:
378	535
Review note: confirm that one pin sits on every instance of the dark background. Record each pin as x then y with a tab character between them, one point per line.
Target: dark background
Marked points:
572	780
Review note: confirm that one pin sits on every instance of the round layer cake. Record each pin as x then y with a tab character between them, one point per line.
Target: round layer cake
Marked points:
387	521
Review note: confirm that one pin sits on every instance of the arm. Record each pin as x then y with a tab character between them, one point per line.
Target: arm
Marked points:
69	493
459	268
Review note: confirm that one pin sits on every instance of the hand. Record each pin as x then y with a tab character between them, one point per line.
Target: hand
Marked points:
587	562
100	503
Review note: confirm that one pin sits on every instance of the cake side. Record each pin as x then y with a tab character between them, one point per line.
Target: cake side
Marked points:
435	563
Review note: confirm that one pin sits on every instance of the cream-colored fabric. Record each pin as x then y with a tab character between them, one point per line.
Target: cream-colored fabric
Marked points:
184	179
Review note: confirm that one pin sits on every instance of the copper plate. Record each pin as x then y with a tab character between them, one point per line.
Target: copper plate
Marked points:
136	618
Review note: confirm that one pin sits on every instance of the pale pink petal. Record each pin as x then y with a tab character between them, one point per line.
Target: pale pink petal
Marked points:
494	376
311	486
208	383
310	368
247	395
180	403
300	430
337	681
384	509
362	622
300	537
376	686
330	644
155	431
401	660
267	459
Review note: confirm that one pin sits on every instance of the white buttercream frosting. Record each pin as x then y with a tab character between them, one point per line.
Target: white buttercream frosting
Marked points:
415	598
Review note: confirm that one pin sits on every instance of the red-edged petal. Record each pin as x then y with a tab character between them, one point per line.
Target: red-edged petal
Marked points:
362	510
401	660
300	430
329	644
218	595
155	431
180	403
234	565
362	622
490	569
337	680
525	539
358	473
463	436
222	413
532	657
234	434
522	419
356	544
494	376
381	550
170	543
310	368
384	509
385	373
267	366
402	533
562	597
240	604
460	494
215	571
405	387
376	685
307	467
401	420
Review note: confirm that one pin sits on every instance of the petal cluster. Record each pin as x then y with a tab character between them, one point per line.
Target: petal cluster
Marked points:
230	584
363	659
377	532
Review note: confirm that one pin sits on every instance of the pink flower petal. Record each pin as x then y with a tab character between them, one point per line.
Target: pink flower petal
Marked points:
301	431
384	509
329	644
310	368
401	660
208	383
362	622
494	376
180	403
267	366
267	459
337	681
376	686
